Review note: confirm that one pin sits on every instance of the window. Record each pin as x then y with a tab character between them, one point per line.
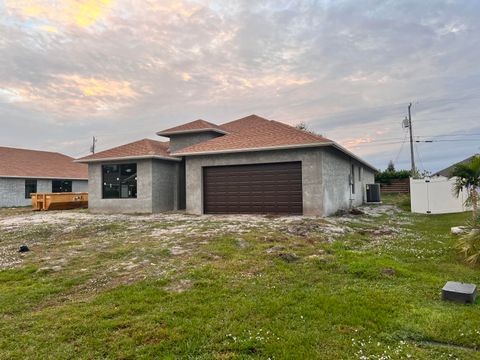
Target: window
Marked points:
61	186
119	181
30	188
352	176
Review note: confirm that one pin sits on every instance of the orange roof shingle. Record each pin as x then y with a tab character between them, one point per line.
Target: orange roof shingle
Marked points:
251	133
193	126
26	163
255	132
141	148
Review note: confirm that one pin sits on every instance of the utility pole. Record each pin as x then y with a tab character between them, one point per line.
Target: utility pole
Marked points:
414	170
92	148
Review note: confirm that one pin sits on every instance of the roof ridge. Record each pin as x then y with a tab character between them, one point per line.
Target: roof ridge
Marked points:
198	125
319	137
33	150
244	118
139	148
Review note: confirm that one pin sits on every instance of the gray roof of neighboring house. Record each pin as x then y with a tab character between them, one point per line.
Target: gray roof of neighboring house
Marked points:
447	171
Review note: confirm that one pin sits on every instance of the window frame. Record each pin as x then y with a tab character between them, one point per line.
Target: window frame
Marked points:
352	175
62	183
131	187
33	182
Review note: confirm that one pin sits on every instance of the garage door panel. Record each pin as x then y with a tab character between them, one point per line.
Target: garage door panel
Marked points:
263	188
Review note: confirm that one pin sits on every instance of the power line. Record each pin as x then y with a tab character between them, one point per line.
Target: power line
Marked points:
399	105
419	158
446	135
401	148
445	140
379	143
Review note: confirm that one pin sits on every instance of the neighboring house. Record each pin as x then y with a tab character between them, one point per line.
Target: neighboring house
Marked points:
250	165
446	173
23	172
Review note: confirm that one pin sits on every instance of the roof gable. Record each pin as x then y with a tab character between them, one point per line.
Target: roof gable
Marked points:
448	171
255	132
192	127
145	148
26	163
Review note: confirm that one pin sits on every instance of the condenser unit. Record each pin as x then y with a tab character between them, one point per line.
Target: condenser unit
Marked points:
373	193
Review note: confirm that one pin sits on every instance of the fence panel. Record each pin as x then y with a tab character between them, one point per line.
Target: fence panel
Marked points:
435	196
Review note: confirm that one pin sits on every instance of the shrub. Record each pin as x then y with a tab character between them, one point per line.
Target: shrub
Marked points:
469	243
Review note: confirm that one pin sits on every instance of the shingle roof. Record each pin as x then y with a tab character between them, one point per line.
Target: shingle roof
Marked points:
447	171
145	148
25	163
194	126
255	132
251	133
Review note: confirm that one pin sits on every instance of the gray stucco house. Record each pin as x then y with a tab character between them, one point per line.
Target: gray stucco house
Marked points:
250	165
23	172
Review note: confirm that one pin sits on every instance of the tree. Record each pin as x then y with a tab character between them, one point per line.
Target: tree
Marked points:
467	176
391	166
304	127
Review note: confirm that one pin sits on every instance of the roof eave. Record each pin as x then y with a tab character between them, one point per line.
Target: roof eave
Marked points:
191	131
349	153
44	177
265	148
121	158
282	147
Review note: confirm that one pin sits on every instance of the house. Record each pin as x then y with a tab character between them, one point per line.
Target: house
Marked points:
447	172
23	172
250	165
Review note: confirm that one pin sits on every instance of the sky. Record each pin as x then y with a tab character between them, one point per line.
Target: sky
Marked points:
121	70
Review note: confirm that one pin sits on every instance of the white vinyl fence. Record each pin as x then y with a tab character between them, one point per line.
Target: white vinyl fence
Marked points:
435	196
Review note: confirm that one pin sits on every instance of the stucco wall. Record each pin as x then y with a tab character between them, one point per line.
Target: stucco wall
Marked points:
12	191
311	174
336	167
182	141
325	177
80	186
141	204
165	185
156	188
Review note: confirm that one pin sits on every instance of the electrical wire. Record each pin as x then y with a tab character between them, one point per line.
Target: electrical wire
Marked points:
401	148
419	157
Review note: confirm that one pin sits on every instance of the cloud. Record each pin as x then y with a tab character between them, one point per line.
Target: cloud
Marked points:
347	70
81	13
68	95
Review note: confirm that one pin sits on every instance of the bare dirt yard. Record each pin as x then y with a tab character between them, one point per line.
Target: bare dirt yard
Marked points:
172	285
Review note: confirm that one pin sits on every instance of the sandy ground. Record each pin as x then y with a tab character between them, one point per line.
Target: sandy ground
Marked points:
59	238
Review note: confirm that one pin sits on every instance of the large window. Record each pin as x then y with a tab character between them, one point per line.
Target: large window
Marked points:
30	187
119	181
61	186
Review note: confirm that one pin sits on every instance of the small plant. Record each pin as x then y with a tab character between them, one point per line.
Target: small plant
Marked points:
469	243
467	176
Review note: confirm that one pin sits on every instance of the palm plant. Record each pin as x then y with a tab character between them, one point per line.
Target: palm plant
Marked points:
467	176
469	243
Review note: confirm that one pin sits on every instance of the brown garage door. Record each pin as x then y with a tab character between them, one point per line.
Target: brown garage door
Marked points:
253	189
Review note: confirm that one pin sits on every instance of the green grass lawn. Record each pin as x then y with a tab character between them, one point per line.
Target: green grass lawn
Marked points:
107	289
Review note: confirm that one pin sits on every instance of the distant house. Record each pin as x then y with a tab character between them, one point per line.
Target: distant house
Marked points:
23	172
250	165
448	171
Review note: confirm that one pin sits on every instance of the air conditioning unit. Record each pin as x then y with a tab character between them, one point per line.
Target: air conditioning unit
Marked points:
373	193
